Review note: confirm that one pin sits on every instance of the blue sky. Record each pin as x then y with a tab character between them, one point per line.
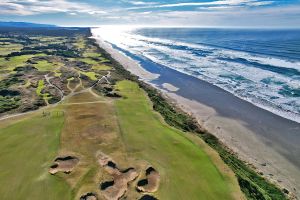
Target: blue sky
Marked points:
208	13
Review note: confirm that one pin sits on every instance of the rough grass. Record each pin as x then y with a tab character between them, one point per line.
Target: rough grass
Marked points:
80	43
27	148
91	54
187	172
9	48
101	67
89	61
14	62
44	65
89	127
57	73
8	103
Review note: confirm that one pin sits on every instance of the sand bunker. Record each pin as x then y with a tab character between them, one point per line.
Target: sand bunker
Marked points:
89	196
116	188
63	164
108	164
151	183
148	197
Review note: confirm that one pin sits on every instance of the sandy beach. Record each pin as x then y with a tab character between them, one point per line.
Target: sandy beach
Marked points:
127	63
264	140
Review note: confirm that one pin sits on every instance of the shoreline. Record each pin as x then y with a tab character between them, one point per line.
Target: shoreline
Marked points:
269	143
227	131
247	144
128	64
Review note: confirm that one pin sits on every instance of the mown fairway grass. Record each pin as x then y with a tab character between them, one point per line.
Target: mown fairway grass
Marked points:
91	75
15	61
187	172
39	89
44	65
27	148
101	67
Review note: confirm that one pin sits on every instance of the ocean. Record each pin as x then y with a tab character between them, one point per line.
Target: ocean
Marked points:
259	66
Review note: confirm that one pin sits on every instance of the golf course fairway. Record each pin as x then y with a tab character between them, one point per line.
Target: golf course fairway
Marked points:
186	171
27	147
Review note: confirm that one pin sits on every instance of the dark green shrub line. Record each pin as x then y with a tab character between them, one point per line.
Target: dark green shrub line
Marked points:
254	186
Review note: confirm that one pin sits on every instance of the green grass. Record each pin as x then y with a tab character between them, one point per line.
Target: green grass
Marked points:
101	67
7	49
57	73
27	149
187	172
71	79
39	89
80	43
91	54
44	65
15	61
89	61
27	84
252	184
104	60
94	62
91	75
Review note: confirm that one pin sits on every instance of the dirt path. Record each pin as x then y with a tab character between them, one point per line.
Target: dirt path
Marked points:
48	81
89	102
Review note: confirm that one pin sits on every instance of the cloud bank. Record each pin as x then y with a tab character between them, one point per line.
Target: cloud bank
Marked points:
254	13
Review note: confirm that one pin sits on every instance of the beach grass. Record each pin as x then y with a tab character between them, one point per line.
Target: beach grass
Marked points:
28	146
187	171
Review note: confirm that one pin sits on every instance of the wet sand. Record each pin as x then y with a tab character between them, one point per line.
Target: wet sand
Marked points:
268	142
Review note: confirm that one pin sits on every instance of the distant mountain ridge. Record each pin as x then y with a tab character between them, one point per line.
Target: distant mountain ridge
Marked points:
25	24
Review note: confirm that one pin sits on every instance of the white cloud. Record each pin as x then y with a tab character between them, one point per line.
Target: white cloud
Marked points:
264	17
223	16
210	3
141	3
31	7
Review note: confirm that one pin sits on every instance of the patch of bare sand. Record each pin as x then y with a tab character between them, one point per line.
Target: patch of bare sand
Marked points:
64	164
249	146
151	183
148	197
118	186
170	87
89	196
